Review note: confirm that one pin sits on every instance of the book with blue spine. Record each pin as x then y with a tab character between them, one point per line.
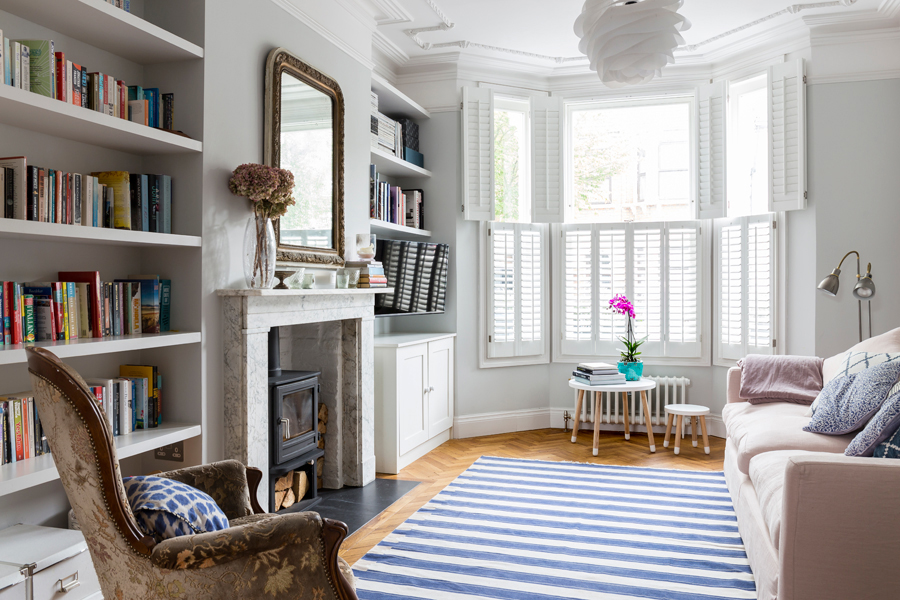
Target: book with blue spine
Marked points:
151	95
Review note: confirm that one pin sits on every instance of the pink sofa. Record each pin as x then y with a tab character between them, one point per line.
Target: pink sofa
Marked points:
817	525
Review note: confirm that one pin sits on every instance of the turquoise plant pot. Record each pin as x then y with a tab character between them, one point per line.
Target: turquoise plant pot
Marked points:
633	370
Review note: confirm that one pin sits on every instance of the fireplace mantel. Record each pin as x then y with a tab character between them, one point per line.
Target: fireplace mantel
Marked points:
345	348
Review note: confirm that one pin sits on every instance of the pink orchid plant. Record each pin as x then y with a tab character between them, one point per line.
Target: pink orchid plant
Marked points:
621	305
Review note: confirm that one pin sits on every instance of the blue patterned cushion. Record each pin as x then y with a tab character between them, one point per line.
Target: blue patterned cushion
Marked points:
848	402
855	362
889	448
164	508
878	429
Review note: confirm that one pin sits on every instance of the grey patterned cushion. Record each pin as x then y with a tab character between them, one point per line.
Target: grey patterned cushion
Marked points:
878	429
848	402
889	448
855	362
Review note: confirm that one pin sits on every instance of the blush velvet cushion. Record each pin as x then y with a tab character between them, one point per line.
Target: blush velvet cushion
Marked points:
848	402
796	379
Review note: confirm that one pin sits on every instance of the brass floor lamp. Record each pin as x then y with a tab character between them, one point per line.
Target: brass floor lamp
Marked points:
863	290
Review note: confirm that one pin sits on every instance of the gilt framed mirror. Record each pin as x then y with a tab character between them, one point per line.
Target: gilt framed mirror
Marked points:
304	131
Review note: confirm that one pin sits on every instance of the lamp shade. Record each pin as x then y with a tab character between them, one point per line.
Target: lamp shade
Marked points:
865	287
831	284
630	41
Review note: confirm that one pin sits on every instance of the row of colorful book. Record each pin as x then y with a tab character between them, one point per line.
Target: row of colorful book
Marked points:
598	374
123	4
392	204
36	66
82	306
131	401
32	193
23	434
371	273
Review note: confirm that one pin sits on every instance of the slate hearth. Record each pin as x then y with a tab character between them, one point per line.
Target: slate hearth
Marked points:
356	506
334	334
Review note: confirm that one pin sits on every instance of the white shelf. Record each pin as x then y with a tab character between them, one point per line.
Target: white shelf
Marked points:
378	225
311	292
28	473
61	119
394	103
390	165
106	27
55	232
15	353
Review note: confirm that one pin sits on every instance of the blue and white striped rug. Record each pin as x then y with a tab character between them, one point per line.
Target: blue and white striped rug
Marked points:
533	530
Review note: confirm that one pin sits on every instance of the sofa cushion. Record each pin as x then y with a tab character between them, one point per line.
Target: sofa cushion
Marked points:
165	508
848	402
767	474
878	429
771	427
855	362
886	342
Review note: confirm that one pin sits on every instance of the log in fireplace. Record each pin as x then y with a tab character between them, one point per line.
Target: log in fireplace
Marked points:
293	430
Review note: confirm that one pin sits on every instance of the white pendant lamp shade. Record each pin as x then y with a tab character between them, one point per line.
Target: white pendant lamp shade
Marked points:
630	41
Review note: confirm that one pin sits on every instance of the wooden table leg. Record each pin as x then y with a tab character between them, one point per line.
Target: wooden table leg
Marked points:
577	416
694	431
625	415
647	422
596	422
669	420
678	425
705	437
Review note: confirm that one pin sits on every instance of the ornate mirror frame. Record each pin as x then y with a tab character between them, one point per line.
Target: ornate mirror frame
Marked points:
282	61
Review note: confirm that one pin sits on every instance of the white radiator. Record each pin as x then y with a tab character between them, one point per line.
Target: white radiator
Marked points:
669	390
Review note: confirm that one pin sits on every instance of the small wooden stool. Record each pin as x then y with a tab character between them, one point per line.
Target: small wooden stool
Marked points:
694	413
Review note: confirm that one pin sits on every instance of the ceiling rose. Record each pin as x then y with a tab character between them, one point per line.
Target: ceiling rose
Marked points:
630	41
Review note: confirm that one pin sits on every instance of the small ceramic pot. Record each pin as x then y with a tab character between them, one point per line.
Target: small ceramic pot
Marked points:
632	370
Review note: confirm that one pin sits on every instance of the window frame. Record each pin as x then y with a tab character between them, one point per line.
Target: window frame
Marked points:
683	97
485	298
705	291
522	104
753	83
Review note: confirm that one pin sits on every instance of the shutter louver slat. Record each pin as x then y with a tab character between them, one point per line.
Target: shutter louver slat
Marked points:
760	292
530	277
478	148
578	290
646	275
787	136
546	151
711	142
612	279
502	309
684	304
731	287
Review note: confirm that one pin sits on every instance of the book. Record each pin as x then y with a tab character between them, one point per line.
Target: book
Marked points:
151	95
168	111
41	66
24	77
108	398
620	377
62	82
165	302
44	323
150	301
139	202
16	205
77	85
597	368
153	199
137	112
134	295
166	204
126	407
119	183
28	318
144	374
93	299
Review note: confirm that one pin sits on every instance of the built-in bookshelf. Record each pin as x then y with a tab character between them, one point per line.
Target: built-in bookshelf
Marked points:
138	50
391	168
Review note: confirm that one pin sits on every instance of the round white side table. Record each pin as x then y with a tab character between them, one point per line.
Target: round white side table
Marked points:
694	412
641	386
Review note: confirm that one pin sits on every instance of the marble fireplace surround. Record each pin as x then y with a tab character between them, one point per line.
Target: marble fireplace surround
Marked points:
332	331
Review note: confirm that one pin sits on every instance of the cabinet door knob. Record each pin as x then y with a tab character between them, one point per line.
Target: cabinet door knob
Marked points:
431	389
426	391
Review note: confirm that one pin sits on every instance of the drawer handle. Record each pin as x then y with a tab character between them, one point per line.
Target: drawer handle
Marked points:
65	588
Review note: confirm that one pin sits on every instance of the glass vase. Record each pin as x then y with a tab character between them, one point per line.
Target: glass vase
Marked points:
259	253
632	370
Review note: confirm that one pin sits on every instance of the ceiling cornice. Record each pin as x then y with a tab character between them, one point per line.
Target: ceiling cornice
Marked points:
292	9
391	12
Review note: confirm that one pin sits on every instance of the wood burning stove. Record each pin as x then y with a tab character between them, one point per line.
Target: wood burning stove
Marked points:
293	426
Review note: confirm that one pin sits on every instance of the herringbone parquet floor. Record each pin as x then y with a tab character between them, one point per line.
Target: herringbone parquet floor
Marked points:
441	466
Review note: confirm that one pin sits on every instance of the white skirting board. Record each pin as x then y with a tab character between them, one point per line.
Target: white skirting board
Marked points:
546	418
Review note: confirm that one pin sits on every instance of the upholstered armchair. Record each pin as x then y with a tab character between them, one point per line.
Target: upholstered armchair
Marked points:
261	555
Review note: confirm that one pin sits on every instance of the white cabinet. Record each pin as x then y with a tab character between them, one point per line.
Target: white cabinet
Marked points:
414	374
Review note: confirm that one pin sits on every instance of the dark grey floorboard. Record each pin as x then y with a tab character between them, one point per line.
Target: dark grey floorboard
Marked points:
356	506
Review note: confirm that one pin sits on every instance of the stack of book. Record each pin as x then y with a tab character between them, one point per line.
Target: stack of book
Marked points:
392	204
397	138
35	66
371	274
82	306
131	401
598	374
111	199
22	434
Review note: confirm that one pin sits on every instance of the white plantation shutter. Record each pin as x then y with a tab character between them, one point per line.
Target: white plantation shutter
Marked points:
658	266
745	289
711	142
787	136
646	285
478	154
683	289
546	156
610	253
517	279
760	280
577	287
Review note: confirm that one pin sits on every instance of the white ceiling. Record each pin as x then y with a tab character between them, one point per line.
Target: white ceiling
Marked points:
544	27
